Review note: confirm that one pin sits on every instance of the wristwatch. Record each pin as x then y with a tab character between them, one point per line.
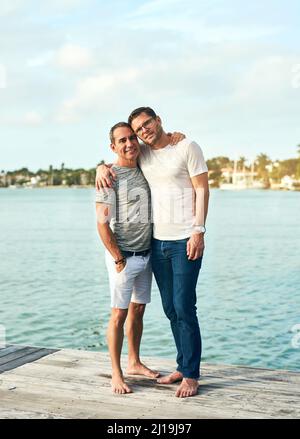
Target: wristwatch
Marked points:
199	229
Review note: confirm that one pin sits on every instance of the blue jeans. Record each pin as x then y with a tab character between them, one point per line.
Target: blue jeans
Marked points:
176	277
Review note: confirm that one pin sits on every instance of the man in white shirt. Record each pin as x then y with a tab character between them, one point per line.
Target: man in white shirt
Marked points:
178	180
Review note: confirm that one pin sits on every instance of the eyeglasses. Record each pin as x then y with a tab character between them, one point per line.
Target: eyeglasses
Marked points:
146	125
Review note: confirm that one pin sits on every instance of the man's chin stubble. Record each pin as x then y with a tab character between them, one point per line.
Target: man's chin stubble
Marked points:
155	139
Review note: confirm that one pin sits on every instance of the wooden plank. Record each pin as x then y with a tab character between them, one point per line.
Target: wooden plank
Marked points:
23	356
268	377
7	350
244	372
149	392
76	384
10	349
101	405
12	413
73	404
96	375
16	354
257	402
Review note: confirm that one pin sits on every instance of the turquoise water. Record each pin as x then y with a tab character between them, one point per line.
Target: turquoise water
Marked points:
54	288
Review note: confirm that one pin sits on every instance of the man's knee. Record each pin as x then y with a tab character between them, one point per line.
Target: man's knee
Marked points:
186	312
118	316
137	309
170	312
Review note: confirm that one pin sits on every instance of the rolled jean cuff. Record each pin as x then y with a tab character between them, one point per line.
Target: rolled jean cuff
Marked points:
194	376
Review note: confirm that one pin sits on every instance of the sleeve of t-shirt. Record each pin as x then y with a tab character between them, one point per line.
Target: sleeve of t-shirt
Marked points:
195	160
105	195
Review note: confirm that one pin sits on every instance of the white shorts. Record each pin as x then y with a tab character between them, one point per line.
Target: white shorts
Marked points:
132	284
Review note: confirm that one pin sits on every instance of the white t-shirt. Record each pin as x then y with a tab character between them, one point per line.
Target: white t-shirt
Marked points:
168	172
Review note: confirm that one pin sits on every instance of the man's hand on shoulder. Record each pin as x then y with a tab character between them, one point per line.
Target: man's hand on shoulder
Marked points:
195	246
104	176
176	137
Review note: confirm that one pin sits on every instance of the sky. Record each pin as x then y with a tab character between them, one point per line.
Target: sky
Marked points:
226	73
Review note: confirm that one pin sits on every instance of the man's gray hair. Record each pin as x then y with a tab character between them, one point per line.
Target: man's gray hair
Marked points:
117	125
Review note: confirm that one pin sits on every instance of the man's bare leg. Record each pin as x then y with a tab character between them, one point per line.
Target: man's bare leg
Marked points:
188	387
134	330
115	336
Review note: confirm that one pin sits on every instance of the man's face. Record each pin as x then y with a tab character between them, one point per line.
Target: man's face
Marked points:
126	144
148	128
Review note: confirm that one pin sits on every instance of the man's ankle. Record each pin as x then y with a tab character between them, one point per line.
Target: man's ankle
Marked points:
134	362
117	373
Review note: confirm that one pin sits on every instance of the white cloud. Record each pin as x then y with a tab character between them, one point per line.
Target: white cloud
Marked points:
32	118
95	91
72	56
268	79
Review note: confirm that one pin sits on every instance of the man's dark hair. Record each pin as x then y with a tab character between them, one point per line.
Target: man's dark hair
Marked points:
135	113
117	125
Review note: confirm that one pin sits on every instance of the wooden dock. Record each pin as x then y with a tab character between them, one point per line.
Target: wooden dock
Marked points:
63	383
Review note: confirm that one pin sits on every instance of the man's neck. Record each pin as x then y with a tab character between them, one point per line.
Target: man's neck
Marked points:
162	142
126	163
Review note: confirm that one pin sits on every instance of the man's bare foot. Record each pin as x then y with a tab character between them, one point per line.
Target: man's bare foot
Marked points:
188	387
172	378
141	369
118	385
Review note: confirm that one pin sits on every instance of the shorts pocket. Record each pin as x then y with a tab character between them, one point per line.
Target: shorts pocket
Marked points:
122	271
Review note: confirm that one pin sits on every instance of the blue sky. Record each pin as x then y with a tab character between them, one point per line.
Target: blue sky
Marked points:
226	73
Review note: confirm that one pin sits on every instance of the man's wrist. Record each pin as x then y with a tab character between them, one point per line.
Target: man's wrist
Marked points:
199	229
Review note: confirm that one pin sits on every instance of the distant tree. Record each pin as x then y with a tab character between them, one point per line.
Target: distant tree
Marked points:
297	173
57	179
288	167
50	176
261	161
217	163
215	166
241	163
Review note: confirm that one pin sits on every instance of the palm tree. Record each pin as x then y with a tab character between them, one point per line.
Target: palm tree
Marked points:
241	163
298	164
262	160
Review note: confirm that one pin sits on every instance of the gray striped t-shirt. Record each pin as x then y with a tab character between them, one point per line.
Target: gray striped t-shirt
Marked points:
131	208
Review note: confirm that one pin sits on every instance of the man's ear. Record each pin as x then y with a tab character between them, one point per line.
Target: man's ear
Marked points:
158	119
113	147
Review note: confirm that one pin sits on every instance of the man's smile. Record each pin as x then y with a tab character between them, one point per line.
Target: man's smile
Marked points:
131	149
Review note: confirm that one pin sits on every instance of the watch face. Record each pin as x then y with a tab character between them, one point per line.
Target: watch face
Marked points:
200	229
